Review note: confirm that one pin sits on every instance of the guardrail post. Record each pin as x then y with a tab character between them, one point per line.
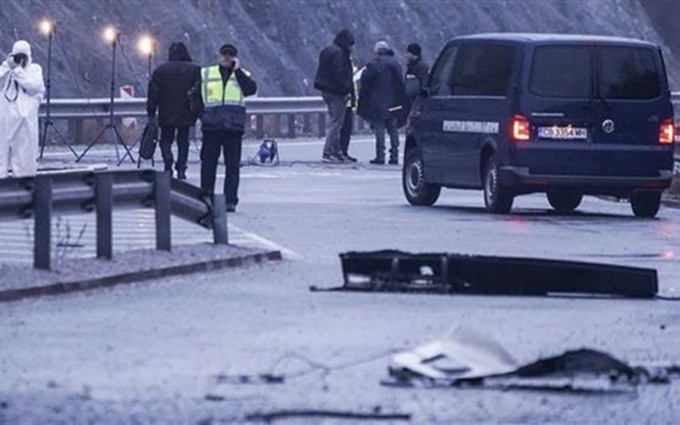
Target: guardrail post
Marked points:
219	216
42	211
75	130
291	126
307	124
104	207
259	126
322	124
162	206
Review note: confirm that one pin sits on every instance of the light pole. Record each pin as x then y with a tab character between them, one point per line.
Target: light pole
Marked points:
48	28
112	37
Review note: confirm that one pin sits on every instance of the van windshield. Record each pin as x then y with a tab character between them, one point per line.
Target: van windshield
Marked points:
562	71
629	73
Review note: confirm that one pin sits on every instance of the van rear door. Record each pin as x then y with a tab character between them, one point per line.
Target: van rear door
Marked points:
560	105
633	102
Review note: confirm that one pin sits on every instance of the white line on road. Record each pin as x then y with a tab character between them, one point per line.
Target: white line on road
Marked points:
286	252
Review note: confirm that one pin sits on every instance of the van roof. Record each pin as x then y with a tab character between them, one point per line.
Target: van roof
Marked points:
538	38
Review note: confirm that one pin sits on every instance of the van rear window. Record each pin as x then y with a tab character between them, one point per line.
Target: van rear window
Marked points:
629	73
561	71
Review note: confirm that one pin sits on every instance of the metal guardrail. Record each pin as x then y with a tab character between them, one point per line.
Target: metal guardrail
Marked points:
136	107
77	110
99	191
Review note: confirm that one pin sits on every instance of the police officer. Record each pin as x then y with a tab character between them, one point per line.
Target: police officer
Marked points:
225	85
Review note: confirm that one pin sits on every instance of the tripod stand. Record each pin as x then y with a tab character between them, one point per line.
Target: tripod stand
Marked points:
111	126
49	28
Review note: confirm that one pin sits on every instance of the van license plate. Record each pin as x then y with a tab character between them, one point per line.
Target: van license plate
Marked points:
563	132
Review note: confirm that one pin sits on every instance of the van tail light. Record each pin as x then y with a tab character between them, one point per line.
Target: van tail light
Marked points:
519	128
667	132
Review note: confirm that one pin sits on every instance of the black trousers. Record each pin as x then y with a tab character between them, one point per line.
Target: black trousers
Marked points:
346	131
228	144
167	137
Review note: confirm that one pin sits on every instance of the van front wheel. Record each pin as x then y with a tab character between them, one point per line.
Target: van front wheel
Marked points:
496	199
416	189
645	204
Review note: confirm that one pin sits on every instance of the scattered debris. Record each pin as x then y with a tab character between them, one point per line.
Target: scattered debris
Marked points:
376	415
264	378
396	271
466	359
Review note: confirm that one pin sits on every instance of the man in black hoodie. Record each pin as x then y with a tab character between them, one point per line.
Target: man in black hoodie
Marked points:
169	94
334	80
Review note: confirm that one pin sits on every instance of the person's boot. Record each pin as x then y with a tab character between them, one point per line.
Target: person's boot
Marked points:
181	174
377	161
394	157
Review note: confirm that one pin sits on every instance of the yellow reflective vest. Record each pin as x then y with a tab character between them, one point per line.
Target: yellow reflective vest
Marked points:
216	93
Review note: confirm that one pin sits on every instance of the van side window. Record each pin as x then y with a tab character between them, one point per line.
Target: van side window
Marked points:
482	70
629	73
562	72
441	74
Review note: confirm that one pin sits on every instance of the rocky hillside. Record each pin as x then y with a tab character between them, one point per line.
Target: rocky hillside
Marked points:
280	39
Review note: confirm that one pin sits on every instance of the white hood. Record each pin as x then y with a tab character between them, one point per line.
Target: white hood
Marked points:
22	46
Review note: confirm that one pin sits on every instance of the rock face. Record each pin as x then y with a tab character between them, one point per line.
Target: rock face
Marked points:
279	40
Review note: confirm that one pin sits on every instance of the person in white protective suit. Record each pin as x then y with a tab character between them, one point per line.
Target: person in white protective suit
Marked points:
21	90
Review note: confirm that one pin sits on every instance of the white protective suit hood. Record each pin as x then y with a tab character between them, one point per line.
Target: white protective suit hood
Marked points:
22	46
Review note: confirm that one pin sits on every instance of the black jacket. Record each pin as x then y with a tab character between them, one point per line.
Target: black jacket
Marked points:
169	93
334	74
382	89
416	77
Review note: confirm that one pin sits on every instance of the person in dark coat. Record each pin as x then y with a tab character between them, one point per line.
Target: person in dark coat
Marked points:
334	80
174	90
383	101
417	71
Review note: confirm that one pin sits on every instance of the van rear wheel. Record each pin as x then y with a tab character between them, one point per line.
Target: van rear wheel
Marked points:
416	189
497	200
564	201
645	204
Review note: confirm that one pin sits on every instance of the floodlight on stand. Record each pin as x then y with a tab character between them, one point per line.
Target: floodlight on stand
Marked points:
146	45
48	28
111	35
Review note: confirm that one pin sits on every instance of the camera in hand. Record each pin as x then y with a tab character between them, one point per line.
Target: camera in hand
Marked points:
20	58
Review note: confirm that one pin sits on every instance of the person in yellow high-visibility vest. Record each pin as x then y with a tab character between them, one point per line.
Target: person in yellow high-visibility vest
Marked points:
225	85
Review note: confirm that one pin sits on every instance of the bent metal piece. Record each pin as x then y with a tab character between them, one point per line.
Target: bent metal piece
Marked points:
467	358
396	271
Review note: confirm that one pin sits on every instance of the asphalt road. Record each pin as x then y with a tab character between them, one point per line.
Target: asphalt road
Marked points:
150	353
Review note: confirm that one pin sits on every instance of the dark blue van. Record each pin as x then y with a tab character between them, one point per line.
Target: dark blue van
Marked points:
567	115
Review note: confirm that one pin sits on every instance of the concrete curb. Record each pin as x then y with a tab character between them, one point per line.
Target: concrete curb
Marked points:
107	281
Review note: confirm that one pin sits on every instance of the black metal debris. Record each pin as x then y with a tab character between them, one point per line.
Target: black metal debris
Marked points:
396	271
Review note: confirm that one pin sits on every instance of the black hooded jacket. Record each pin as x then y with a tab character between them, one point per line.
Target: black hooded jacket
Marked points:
169	89
334	74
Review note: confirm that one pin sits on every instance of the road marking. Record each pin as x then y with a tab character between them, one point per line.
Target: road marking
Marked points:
286	252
